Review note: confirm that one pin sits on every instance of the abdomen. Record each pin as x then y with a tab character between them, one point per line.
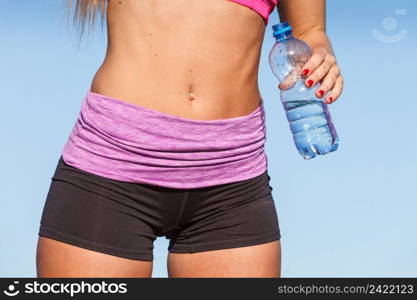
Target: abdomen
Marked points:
195	59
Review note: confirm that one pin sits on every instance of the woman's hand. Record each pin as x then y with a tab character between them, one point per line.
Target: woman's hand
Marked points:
307	19
322	67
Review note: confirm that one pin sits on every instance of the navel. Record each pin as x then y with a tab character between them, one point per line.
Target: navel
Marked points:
191	95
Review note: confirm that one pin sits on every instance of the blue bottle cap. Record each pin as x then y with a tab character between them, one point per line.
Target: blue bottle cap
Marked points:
281	30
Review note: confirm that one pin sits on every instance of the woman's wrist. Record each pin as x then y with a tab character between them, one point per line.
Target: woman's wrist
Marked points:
317	39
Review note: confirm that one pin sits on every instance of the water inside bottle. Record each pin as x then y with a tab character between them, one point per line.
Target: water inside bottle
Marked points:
312	127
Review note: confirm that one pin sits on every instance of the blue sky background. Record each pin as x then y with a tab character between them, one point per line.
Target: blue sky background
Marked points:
349	213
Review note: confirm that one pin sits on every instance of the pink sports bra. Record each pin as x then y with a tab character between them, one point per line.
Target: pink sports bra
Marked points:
262	7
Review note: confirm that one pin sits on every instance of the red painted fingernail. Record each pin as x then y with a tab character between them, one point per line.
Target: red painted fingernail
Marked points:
310	83
330	99
306	71
321	93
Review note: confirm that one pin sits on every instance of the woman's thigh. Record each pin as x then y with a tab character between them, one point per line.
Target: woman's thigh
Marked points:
58	259
262	260
92	226
229	230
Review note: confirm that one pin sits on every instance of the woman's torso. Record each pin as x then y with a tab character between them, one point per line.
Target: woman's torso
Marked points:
191	58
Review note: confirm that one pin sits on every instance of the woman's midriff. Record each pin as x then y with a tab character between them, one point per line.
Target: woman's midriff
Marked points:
190	58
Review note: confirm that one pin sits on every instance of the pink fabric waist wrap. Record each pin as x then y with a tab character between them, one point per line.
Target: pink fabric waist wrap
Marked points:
128	142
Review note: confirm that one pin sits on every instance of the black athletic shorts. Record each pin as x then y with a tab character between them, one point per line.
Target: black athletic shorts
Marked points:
124	218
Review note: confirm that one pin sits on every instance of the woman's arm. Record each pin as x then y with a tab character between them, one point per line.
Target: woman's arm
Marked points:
308	20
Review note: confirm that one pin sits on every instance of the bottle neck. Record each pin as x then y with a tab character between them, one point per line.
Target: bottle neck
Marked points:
283	37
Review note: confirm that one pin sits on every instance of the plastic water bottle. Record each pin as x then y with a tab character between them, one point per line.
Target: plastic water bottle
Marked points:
308	116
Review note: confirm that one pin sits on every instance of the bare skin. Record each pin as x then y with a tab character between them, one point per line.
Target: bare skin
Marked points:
187	58
183	57
262	260
57	259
